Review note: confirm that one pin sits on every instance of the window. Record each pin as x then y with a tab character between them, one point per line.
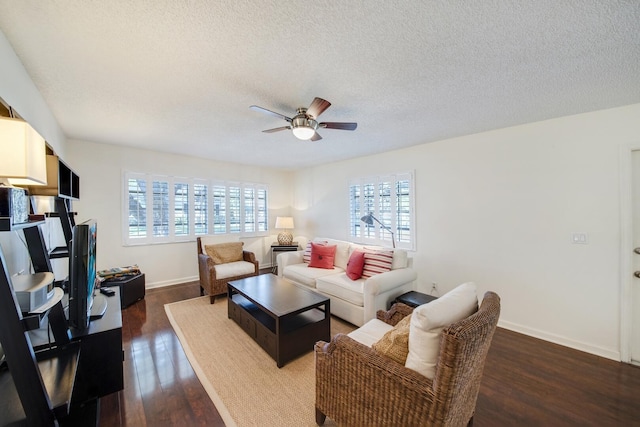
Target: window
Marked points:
184	208
137	202
390	199
201	208
181	208
160	208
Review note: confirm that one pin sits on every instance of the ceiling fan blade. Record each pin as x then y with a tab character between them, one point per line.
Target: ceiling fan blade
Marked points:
273	113
317	107
276	129
316	137
338	125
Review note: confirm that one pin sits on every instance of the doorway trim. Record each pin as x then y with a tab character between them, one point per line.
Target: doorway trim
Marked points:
626	248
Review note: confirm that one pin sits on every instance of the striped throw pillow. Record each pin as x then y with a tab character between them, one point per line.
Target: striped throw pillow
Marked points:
376	262
306	255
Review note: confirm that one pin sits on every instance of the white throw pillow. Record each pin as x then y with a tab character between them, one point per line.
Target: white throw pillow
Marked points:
427	322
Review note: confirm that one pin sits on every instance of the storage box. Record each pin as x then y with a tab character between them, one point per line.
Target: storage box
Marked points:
131	288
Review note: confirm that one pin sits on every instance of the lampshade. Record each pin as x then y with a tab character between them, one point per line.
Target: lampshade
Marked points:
23	160
285	222
367	219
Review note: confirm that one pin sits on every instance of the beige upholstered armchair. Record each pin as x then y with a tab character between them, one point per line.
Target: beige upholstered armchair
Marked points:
221	263
356	385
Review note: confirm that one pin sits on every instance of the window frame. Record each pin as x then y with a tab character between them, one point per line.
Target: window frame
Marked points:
365	195
210	185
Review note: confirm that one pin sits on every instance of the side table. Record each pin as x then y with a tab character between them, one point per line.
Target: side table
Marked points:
281	248
132	288
414	299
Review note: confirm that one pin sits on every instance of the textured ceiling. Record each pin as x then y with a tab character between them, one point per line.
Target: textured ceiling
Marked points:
179	76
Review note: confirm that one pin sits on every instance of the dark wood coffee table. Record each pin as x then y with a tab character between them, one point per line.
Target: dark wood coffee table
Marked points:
284	319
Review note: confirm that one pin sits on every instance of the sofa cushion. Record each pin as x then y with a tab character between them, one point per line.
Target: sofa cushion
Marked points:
428	321
400	259
355	265
322	256
222	253
376	262
395	343
340	286
233	269
342	251
370	332
305	275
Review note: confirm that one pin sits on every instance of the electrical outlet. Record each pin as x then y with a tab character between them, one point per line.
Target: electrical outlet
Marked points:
434	288
579	238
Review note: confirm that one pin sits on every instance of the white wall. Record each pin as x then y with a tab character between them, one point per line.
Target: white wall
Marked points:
18	91
499	208
101	168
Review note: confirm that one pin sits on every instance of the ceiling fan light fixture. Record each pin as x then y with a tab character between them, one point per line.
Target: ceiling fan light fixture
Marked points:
303	128
304	133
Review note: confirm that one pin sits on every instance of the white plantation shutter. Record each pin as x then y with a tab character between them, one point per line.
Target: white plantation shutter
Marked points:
167	209
390	198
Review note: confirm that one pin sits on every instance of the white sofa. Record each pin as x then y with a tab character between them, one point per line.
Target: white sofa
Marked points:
355	301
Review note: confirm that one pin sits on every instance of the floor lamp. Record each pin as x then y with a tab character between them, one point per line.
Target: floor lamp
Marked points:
369	218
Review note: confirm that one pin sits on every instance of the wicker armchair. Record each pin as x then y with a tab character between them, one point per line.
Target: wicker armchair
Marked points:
357	386
214	279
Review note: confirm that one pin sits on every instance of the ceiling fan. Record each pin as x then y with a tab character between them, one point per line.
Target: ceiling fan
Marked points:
305	124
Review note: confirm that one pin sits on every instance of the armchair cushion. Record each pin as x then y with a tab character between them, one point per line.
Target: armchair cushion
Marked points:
234	269
428	321
223	253
371	332
395	343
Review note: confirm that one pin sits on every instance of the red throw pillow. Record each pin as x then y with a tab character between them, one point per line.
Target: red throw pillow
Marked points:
355	265
322	256
306	255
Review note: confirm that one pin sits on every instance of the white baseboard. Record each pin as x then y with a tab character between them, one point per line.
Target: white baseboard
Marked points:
564	341
171	282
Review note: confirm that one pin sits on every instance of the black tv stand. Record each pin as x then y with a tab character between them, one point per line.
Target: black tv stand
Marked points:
58	383
99	307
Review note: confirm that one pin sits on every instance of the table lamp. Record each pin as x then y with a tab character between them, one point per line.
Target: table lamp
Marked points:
285	223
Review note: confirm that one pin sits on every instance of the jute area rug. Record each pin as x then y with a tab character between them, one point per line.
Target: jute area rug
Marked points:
242	380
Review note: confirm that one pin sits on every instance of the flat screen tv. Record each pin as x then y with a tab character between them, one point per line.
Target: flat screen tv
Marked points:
82	276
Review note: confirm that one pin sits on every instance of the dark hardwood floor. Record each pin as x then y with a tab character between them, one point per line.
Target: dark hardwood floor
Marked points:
527	382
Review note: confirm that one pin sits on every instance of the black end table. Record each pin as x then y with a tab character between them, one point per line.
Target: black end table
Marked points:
281	248
414	299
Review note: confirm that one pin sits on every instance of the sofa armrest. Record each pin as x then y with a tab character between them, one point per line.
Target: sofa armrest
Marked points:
384	282
206	268
251	257
381	289
393	391
288	258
